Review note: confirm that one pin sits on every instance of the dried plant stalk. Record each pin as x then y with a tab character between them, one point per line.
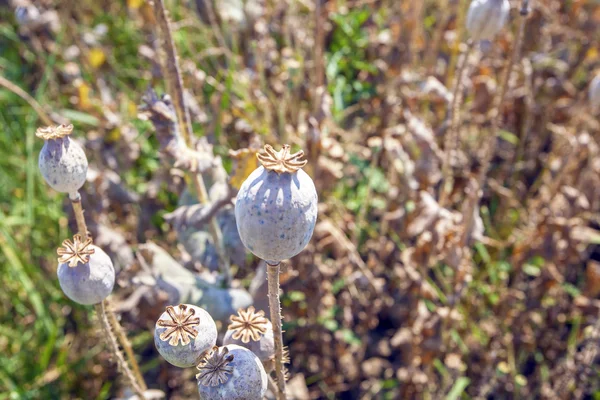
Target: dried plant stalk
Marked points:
126	344
79	218
116	352
452	136
275	308
172	74
489	145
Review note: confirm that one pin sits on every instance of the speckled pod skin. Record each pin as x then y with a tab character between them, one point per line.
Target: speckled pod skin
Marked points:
186	355
486	18
276	213
88	283
264	348
63	165
594	93
248	380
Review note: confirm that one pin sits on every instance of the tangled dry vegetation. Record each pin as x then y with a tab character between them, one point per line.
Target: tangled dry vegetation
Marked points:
394	297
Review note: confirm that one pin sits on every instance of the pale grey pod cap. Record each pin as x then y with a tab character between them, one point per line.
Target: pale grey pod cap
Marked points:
276	213
594	93
88	283
486	18
252	330
232	373
62	161
183	333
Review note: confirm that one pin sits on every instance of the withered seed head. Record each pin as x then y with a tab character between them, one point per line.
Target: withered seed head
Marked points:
75	252
54	131
214	368
281	161
248	325
181	324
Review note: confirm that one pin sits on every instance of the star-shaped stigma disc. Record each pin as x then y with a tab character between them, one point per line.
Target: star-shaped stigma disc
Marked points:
181	325
248	325
75	252
214	368
281	161
54	132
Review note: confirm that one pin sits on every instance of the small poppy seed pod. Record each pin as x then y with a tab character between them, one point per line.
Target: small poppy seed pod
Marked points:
486	18
276	206
250	329
594	93
62	161
231	372
85	273
183	333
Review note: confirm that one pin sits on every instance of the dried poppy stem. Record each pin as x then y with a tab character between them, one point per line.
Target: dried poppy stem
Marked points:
172	73
126	344
452	137
116	352
489	143
275	307
79	217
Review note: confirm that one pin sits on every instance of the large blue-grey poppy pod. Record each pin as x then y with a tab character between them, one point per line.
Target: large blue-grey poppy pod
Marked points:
276	206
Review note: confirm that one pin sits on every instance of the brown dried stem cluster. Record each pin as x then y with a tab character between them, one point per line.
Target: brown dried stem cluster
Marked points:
214	368
248	325
75	252
53	132
180	325
281	161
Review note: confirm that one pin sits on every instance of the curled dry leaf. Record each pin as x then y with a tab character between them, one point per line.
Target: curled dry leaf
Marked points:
161	112
197	215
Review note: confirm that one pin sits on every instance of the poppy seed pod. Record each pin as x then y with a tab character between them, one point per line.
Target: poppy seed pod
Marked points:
594	94
62	161
486	18
85	273
276	206
250	329
183	333
231	372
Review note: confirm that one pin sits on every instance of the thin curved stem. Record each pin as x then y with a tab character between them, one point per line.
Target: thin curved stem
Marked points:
275	307
126	344
30	100
452	137
114	348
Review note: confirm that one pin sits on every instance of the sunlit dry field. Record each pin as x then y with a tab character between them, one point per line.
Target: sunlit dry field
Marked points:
456	252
